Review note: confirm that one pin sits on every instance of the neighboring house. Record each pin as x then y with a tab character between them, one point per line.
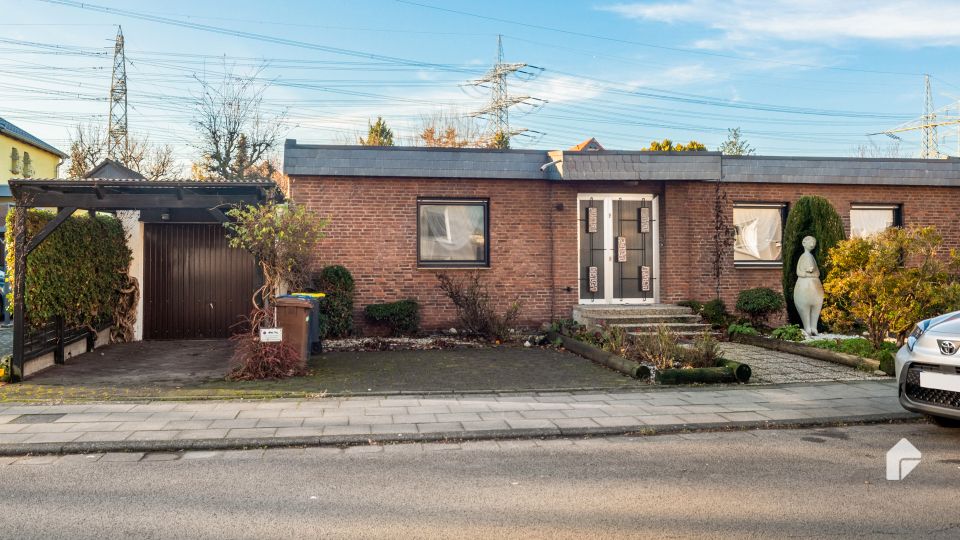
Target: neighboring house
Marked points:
23	156
109	168
555	229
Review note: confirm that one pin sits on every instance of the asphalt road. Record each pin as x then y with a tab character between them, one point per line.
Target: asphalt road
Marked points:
809	483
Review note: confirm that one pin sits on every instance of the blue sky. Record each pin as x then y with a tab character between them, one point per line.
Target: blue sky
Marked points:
807	80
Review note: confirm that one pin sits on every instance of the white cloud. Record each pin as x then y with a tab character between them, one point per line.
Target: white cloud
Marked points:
740	22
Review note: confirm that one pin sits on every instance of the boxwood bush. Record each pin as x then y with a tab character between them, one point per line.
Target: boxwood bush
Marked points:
759	304
402	317
336	308
76	272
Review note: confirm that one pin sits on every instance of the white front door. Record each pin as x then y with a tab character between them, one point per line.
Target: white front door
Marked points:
618	248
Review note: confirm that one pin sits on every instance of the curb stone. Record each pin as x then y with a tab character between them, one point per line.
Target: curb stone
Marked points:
496	434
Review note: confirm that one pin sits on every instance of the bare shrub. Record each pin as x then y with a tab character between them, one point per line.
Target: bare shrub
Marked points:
475	310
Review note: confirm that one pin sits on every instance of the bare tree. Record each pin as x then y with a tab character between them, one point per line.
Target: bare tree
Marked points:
235	132
874	150
452	131
89	147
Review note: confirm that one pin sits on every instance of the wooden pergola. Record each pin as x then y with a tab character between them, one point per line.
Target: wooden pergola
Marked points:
111	195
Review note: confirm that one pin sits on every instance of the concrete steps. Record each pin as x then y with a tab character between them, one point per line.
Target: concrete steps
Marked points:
643	319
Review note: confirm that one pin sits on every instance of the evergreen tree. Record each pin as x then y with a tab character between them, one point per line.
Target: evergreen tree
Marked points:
378	134
500	141
241	158
809	216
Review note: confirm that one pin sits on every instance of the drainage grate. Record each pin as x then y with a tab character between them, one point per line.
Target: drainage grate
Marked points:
36	418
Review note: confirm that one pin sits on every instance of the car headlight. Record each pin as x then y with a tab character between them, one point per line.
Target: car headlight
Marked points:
918	330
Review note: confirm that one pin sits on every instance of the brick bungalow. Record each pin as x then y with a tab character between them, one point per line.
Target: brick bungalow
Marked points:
557	229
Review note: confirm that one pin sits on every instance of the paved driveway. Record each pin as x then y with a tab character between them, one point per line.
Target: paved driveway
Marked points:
164	364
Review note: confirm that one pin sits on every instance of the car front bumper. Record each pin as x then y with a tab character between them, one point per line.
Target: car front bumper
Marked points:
940	403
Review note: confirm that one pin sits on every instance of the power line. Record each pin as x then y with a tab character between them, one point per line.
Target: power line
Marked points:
648	45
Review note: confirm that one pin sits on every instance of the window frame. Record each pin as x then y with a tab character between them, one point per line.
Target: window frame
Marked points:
780	205
462	201
896	207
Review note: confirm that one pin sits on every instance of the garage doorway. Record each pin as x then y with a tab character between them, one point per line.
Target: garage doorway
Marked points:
195	285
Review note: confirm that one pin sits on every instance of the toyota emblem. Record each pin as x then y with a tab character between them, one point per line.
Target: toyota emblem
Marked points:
947	347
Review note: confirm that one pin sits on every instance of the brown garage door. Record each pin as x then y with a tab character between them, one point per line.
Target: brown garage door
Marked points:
195	285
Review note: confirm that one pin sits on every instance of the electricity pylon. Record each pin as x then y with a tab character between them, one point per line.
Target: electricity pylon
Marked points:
497	111
117	140
927	124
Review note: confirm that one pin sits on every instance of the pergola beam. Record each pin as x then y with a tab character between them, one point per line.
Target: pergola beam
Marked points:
133	201
50	227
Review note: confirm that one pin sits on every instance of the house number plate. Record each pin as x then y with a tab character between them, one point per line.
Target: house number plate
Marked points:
645	278
271	335
591	220
621	249
593	282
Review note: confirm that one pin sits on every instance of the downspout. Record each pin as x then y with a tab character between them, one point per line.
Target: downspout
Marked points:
553	255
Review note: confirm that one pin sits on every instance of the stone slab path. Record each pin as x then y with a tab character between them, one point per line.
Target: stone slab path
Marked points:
775	367
230	424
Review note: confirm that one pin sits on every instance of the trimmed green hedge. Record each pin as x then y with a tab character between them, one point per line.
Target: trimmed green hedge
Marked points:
76	272
403	317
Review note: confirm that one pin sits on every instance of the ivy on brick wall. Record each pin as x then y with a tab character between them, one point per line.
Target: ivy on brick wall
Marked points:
76	272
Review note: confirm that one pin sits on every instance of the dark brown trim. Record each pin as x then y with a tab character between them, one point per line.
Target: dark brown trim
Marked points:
464	201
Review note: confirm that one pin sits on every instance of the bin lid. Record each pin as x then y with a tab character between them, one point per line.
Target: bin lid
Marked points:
310	294
292	301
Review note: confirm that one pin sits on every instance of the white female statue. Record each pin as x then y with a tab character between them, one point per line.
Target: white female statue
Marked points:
808	292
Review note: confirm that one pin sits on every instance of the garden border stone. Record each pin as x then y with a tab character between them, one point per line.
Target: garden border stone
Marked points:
793	347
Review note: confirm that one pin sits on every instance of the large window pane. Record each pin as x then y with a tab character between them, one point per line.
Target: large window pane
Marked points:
453	233
868	220
759	232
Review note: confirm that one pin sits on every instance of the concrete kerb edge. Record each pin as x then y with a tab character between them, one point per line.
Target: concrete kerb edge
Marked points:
447	436
451	393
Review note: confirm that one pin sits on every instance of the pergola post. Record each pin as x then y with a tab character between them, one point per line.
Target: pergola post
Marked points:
19	287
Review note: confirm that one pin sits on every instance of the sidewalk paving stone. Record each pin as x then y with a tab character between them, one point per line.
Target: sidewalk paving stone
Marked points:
481	415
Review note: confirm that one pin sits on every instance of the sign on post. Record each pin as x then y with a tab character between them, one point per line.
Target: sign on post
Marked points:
644	278
644	219
271	335
591	220
621	249
592	279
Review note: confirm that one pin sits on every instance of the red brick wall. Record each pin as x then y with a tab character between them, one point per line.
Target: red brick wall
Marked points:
533	244
690	223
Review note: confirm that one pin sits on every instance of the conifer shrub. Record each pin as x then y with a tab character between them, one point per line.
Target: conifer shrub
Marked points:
809	216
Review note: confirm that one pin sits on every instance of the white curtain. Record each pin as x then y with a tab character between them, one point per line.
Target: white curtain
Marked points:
451	232
759	234
868	221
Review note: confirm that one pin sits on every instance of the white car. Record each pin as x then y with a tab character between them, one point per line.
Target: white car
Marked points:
928	370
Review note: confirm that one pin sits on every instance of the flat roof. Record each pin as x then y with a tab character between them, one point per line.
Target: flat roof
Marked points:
606	165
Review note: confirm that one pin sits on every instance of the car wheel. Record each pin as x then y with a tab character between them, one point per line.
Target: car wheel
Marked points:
944	422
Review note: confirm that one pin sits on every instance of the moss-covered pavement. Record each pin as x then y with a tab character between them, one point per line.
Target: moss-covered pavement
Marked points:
196	370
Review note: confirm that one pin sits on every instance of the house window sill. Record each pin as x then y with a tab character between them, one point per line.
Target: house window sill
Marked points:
756	265
453	268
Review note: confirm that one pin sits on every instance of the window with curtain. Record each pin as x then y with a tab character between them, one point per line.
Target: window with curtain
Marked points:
868	219
759	233
453	233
